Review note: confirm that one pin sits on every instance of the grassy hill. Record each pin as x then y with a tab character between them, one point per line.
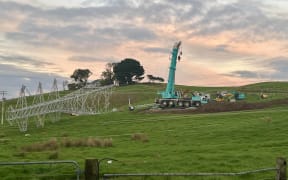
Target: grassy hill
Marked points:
144	141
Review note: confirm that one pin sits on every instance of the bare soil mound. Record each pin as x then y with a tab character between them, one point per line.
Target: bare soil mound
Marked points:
214	107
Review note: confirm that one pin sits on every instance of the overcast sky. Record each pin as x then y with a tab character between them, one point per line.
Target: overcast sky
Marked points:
224	42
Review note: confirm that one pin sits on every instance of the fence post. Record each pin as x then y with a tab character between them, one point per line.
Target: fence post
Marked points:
281	168
91	169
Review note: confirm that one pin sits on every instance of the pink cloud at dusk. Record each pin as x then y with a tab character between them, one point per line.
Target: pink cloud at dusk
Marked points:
224	42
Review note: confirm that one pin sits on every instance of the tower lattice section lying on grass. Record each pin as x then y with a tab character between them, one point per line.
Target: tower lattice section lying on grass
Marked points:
22	120
87	100
38	99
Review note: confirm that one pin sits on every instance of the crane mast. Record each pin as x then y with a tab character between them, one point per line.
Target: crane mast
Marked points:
170	89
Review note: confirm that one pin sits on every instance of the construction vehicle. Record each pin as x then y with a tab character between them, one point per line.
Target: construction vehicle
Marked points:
238	95
229	96
263	96
172	98
224	96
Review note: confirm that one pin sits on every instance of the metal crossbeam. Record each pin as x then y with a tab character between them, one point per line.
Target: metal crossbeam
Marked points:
88	100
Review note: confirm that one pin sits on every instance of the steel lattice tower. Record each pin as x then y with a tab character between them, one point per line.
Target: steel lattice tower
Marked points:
87	100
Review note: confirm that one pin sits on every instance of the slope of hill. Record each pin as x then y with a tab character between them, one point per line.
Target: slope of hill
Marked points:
145	142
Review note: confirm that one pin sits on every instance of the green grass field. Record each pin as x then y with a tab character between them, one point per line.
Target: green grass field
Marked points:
172	143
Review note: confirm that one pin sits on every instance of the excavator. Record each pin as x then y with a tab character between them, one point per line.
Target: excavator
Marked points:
172	98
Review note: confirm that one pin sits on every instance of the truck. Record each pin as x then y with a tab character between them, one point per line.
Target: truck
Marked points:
172	98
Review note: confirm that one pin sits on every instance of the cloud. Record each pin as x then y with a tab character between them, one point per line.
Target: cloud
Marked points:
276	69
157	50
101	3
248	18
22	60
28	64
216	34
12	78
50	34
128	32
280	66
227	17
221	48
77	28
6	6
91	59
203	17
243	74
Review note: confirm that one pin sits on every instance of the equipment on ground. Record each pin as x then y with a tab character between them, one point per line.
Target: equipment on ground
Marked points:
231	96
172	98
263	96
238	95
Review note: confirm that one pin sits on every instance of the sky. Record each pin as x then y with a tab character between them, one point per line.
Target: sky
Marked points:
224	42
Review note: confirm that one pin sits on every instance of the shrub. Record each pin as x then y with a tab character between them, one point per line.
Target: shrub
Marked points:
64	134
52	144
54	155
87	142
4	141
2	135
20	154
139	137
107	142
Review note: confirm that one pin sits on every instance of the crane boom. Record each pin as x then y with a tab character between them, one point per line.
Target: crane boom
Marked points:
170	89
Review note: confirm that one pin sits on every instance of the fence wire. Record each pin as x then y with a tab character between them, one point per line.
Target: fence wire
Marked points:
54	174
190	174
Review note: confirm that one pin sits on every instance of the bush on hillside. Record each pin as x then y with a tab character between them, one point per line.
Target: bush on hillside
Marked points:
53	144
139	137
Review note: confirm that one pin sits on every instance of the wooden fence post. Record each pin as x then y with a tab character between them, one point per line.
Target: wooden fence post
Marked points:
91	169
281	168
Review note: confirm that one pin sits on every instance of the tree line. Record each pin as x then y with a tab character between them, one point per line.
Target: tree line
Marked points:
126	72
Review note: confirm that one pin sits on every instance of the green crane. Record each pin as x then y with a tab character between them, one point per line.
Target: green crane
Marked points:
170	89
172	98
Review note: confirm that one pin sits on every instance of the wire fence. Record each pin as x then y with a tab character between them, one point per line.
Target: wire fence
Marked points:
57	171
39	171
107	176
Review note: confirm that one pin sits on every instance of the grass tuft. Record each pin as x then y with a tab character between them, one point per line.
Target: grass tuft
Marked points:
87	142
139	137
20	154
2	135
52	144
267	119
65	134
54	155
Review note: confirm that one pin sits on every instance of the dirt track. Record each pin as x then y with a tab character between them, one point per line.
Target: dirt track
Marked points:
224	107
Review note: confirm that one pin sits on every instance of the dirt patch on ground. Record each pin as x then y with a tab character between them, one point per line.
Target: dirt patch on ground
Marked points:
214	107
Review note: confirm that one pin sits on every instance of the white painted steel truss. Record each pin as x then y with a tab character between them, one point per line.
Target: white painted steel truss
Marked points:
87	100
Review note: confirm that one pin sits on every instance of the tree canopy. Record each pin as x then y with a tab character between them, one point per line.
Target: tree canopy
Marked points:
107	76
81	75
154	78
128	71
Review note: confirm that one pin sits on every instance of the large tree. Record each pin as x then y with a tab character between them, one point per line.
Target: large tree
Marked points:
81	75
128	71
107	76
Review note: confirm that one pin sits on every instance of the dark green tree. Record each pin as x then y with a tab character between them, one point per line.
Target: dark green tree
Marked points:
107	76
128	71
160	79
154	78
81	75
